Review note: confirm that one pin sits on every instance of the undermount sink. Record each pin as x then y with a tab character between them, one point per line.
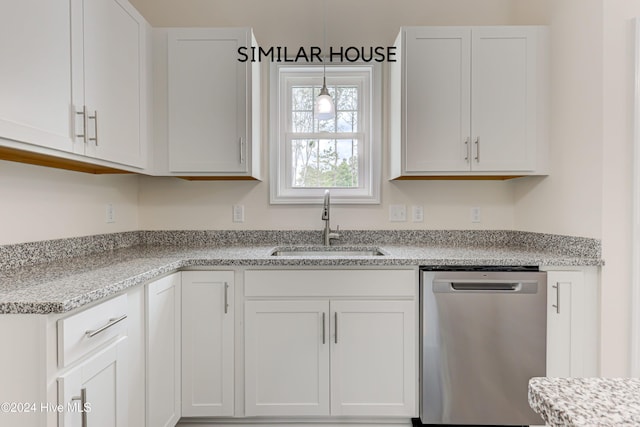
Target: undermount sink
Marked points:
327	252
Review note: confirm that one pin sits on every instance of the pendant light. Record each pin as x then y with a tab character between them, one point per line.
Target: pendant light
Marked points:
324	109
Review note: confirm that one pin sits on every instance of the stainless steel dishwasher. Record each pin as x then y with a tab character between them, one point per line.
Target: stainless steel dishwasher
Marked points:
483	336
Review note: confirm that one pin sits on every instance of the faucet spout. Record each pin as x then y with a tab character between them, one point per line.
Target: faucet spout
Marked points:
328	234
325	209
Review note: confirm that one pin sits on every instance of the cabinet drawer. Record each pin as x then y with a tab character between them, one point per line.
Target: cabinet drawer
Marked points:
84	331
330	283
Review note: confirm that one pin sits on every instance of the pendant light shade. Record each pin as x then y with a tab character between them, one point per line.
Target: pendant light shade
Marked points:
323	108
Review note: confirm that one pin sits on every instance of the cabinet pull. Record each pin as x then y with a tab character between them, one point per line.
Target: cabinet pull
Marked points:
241	150
335	316
95	126
102	328
467	148
477	142
85	121
557	304
83	400
323	328
226	298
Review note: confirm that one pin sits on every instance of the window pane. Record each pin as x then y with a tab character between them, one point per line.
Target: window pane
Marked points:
304	155
348	121
302	98
347	98
326	163
326	125
302	121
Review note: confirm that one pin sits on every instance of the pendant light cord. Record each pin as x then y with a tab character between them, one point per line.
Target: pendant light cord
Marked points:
324	42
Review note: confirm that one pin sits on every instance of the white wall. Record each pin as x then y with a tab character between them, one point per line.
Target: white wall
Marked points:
618	102
569	201
39	203
174	204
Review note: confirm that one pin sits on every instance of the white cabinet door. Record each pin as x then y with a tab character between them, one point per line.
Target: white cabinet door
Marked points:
437	101
207	343
163	352
213	101
94	393
373	358
573	322
113	66
503	98
472	102
35	76
286	358
559	322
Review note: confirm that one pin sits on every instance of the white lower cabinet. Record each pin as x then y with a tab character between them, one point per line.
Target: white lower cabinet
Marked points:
310	353
163	351
372	356
207	343
286	358
94	393
572	323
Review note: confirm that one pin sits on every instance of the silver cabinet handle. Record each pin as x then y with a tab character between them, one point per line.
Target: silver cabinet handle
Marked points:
85	123
335	316
477	142
467	148
323	328
557	304
226	298
102	328
241	150
95	126
83	400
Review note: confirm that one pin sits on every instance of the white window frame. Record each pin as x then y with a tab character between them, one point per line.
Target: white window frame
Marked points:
368	77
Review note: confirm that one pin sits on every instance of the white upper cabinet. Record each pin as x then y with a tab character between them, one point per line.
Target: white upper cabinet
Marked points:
35	76
73	80
469	101
112	85
207	117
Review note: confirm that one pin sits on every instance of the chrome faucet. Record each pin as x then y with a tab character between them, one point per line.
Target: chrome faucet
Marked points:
328	234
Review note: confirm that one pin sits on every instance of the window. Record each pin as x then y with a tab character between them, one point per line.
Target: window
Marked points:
341	154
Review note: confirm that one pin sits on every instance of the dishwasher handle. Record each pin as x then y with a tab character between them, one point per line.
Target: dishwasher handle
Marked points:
485	286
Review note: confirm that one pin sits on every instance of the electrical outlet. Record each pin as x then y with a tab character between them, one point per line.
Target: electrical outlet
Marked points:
397	213
417	213
475	214
110	213
238	213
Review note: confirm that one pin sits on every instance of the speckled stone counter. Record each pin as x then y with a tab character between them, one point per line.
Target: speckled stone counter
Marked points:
58	276
586	401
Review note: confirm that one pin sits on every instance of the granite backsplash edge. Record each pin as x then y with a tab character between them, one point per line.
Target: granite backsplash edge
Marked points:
30	253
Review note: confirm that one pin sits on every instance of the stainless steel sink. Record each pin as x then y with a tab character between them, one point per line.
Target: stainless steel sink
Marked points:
326	252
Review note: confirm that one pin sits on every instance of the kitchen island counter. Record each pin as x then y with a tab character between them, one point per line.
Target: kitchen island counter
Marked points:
586	401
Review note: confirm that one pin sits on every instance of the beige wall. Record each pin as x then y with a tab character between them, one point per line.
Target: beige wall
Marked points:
297	23
40	203
618	103
569	201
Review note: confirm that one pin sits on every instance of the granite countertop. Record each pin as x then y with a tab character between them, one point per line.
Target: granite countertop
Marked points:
586	401
59	276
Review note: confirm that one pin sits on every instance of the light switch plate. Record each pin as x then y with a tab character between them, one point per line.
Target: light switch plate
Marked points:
238	213
417	213
110	213
475	214
397	213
